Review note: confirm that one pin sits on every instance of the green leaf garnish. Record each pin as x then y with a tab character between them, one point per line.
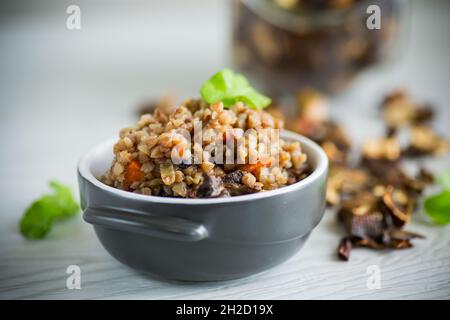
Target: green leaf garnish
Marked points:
437	206
230	87
37	220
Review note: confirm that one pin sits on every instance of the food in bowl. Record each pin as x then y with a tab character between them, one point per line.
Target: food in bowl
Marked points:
221	237
144	154
203	239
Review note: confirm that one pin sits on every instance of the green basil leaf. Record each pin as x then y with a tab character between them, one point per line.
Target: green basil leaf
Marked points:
230	87
37	220
437	207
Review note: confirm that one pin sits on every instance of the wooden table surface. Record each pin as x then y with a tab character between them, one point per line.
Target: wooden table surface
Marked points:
62	92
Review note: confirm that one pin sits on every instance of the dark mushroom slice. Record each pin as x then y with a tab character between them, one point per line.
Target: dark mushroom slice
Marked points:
368	226
400	244
425	141
361	217
368	243
398	205
384	171
382	149
387	172
347	243
298	174
233	184
423	179
371	225
423	114
344	248
400	235
211	187
238	189
234	177
399	110
344	181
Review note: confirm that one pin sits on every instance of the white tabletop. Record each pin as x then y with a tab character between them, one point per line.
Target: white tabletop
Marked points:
62	92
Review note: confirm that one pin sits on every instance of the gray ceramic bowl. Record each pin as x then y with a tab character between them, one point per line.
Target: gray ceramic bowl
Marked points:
203	239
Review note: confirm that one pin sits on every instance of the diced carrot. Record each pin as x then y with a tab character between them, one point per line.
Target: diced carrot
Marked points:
251	167
257	172
255	167
133	173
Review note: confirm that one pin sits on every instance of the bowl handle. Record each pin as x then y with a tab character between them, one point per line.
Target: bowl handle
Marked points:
171	228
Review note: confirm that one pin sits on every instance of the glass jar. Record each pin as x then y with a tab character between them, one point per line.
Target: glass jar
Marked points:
287	45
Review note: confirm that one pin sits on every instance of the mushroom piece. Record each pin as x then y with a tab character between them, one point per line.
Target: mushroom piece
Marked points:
371	223
344	181
234	177
210	188
361	217
237	189
344	248
398	205
400	110
387	148
424	141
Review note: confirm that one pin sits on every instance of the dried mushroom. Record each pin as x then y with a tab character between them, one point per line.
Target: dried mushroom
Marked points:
234	177
400	110
375	222
424	141
398	205
344	181
375	198
211	187
344	248
387	148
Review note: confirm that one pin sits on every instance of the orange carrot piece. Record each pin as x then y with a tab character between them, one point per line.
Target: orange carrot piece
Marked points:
133	173
256	166
251	167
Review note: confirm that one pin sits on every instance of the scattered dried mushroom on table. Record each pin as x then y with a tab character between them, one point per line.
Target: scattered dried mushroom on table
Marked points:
374	198
400	112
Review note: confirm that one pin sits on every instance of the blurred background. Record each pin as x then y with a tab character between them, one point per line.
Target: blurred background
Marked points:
63	91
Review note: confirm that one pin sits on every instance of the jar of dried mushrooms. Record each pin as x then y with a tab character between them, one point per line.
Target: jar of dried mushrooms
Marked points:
287	45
